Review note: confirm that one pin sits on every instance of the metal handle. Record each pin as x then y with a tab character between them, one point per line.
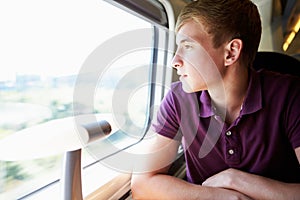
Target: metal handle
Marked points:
71	178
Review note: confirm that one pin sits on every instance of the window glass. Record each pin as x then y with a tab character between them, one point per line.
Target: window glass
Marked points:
44	45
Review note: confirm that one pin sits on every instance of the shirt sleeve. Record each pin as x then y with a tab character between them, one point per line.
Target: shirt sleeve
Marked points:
167	120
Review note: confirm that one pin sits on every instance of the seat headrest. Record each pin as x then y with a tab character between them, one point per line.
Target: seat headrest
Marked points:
278	62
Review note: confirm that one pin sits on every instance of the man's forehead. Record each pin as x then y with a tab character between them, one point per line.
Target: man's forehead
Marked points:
183	38
191	31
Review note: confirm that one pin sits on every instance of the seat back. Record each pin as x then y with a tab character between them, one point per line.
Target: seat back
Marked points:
278	62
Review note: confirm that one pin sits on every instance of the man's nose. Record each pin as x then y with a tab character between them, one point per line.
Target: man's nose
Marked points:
176	61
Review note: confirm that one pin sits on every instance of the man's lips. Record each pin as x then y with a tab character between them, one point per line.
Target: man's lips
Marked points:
182	76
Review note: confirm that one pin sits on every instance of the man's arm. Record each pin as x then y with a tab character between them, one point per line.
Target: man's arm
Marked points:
154	183
256	187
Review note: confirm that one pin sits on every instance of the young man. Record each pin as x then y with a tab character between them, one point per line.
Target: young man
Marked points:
240	129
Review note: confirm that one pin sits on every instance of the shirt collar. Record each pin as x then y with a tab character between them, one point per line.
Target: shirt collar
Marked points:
252	103
206	108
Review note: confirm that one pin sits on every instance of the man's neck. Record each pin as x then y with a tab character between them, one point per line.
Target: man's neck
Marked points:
229	97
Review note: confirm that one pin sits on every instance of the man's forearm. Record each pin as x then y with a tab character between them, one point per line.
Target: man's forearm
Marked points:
256	187
162	186
259	187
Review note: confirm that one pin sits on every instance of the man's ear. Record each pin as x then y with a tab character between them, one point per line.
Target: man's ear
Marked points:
233	51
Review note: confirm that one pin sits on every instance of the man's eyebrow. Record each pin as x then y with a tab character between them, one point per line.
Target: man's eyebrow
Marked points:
183	39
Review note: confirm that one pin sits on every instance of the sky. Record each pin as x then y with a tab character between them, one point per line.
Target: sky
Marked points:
53	38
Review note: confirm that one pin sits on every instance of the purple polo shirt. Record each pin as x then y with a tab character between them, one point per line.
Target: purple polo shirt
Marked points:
260	141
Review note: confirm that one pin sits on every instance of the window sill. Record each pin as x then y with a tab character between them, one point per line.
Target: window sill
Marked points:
114	189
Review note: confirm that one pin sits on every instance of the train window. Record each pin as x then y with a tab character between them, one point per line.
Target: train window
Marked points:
46	48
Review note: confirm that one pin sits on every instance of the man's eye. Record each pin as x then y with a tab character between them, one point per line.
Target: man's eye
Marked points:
187	46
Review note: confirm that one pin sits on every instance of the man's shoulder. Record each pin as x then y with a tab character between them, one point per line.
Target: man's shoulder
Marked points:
275	85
